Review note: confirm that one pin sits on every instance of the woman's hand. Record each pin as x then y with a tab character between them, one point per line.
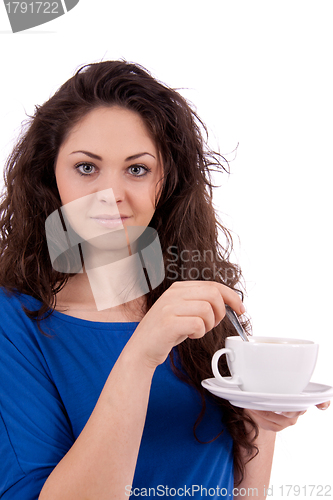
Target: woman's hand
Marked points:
274	421
188	309
277	421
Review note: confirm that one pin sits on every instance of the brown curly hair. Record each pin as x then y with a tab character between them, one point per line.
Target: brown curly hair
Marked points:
185	219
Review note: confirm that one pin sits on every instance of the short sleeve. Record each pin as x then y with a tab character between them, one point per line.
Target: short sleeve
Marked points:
35	432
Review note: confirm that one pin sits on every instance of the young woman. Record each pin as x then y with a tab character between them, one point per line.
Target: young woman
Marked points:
101	376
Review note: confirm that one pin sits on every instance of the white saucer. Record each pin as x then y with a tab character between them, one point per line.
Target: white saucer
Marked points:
313	394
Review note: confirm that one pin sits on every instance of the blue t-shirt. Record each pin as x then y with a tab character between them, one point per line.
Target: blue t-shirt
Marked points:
50	385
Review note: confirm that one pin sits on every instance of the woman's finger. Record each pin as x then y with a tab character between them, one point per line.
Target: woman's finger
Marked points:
201	308
290	414
324	406
228	295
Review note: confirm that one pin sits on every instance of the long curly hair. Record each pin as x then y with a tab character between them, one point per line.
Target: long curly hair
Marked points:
184	219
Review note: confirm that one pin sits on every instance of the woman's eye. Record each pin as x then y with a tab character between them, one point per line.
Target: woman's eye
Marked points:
85	168
139	170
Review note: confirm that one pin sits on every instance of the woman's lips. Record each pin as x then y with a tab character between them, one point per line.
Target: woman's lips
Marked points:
110	222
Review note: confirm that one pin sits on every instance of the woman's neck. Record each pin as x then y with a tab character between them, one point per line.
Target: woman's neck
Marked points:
77	299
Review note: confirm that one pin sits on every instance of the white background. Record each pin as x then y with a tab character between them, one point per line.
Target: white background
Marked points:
260	74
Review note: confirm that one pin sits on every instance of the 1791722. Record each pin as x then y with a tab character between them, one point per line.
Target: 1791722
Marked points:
32	7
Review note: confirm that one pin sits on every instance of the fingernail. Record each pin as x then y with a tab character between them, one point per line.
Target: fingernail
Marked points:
242	309
325	406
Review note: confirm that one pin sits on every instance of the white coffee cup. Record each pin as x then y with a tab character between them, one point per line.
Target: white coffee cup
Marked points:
267	364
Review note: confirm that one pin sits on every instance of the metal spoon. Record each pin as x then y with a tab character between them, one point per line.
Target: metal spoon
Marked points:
235	323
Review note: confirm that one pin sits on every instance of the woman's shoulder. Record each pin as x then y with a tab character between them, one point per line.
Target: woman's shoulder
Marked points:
19	335
13	300
14	322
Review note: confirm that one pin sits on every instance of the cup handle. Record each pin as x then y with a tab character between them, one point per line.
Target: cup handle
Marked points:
234	381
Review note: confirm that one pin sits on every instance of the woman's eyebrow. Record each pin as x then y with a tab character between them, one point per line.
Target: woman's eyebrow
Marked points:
135	157
92	155
96	157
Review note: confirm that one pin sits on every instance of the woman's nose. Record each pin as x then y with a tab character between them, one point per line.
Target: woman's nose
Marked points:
111	191
106	196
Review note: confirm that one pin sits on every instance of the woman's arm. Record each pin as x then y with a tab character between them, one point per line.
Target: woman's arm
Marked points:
102	461
257	472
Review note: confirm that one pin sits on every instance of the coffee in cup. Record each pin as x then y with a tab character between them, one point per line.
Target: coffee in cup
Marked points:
267	364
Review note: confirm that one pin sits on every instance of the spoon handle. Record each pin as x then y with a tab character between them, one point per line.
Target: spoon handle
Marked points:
235	323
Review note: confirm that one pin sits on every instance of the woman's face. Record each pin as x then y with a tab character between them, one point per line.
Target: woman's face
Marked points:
107	172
